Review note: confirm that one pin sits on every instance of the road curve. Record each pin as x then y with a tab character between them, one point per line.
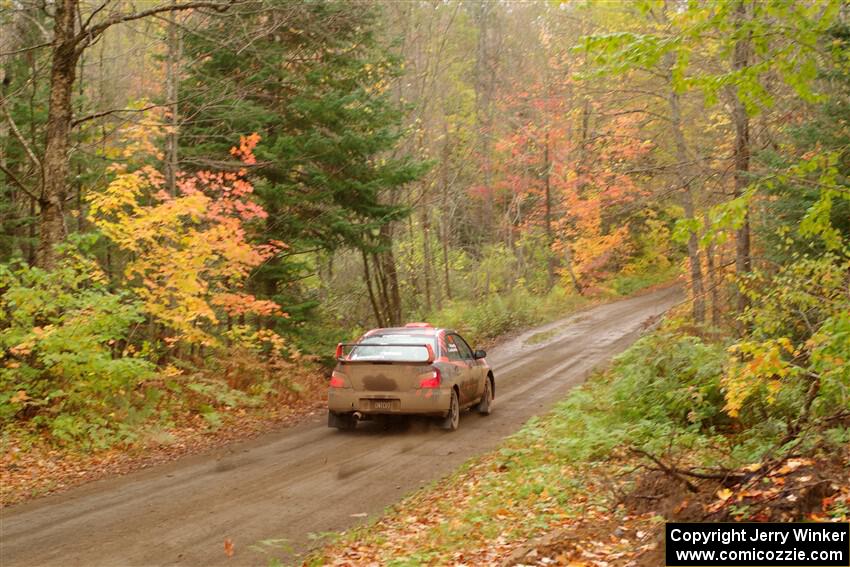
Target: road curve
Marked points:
309	479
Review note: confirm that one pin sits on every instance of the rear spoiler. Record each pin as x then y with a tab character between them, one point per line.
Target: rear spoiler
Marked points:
340	351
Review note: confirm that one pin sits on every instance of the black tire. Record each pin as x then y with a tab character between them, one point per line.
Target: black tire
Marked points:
452	419
342	421
485	406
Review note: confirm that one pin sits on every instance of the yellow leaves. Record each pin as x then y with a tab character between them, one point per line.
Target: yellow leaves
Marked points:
757	366
724	494
185	250
786	344
171	371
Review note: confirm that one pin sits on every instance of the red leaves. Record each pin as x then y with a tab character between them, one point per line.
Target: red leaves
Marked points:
235	304
228	547
229	194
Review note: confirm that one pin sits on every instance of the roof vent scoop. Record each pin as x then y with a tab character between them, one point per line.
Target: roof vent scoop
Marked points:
419	325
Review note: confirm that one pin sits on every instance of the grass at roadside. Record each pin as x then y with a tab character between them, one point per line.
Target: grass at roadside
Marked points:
496	315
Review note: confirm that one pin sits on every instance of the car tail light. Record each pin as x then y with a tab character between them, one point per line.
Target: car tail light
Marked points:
337	380
339	351
430	380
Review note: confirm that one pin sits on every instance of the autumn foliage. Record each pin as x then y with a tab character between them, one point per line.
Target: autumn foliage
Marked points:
89	365
189	254
577	192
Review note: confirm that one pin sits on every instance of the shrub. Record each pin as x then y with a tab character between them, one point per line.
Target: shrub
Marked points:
67	365
793	362
669	377
664	387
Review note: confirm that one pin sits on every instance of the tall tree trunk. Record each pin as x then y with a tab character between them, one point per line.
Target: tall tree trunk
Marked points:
426	255
67	45
52	227
444	212
713	279
4	125
394	311
77	184
568	262
385	294
697	284
172	79
740	61
379	316
550	238
413	275
485	85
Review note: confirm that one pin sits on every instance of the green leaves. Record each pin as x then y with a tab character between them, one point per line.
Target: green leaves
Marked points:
57	354
619	52
702	38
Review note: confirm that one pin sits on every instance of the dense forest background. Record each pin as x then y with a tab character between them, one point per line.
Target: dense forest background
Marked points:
199	198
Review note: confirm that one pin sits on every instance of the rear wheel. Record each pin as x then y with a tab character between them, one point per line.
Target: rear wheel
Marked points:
452	419
485	406
342	421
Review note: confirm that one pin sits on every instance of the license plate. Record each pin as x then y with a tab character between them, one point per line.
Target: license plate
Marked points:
382	404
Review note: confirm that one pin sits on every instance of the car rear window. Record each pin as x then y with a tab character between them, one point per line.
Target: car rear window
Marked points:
393	348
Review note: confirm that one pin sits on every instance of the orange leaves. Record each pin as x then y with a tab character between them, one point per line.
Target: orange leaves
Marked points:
792	465
189	253
574	192
19	397
235	304
724	494
228	547
789	491
245	151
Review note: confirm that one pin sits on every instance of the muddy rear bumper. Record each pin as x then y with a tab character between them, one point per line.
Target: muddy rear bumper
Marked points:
419	402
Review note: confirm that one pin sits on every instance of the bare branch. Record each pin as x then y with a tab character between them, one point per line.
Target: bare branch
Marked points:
94	13
17	182
86	36
48	37
104	113
20	137
24	49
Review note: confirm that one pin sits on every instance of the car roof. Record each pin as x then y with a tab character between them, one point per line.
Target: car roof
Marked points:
426	331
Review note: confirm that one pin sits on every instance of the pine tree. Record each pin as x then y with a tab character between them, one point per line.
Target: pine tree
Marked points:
312	80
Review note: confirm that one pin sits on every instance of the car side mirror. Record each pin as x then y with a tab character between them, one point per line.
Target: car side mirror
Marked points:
479	354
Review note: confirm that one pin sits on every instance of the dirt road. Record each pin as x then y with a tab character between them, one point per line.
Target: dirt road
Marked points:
309	479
